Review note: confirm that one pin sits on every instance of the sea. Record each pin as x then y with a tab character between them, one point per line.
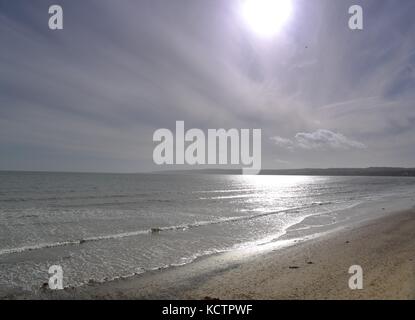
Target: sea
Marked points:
100	227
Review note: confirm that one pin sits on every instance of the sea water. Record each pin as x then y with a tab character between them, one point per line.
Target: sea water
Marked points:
104	226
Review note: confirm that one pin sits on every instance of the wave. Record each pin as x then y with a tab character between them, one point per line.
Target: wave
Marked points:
72	242
37	246
230	197
78	197
153	230
226	190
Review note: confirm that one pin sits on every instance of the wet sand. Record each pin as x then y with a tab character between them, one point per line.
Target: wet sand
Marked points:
312	269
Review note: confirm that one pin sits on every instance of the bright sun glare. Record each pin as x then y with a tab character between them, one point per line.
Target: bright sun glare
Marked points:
266	17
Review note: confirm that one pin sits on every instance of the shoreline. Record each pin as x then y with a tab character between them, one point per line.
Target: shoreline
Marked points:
314	268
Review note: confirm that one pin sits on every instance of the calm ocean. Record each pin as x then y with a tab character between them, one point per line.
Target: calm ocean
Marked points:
104	226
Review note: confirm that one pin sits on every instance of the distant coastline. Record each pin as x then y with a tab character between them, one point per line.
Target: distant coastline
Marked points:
366	172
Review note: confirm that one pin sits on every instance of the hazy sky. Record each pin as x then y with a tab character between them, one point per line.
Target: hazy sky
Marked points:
89	97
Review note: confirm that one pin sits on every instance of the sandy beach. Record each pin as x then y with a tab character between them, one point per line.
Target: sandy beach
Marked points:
311	269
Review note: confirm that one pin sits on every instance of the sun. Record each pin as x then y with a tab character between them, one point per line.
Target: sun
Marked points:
266	17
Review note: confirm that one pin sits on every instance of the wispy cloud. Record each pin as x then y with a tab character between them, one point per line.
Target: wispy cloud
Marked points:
320	139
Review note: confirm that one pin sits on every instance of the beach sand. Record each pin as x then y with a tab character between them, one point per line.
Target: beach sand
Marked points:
312	269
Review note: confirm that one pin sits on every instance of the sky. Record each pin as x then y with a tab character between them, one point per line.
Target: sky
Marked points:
89	97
